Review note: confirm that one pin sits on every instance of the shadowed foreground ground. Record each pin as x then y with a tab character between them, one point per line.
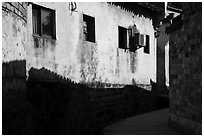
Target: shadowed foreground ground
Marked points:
152	123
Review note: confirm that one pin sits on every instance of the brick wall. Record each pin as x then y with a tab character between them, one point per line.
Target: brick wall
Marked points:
186	70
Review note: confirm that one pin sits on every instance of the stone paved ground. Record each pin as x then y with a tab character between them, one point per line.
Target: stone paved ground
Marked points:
152	123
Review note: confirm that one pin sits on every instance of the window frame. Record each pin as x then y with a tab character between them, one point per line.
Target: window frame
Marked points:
89	34
147	46
40	9
122	33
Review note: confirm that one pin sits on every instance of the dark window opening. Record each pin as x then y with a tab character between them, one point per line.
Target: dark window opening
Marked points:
137	39
131	41
122	35
36	21
43	21
89	28
146	48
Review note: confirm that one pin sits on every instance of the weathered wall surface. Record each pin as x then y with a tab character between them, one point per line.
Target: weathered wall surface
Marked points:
89	62
16	118
186	71
14	31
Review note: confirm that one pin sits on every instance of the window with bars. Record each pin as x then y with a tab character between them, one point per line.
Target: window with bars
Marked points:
43	21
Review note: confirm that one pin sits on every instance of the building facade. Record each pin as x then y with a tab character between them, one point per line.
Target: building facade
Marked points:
90	44
49	48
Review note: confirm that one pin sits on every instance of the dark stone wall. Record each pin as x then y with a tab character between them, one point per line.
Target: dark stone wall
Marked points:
48	104
16	112
186	70
60	106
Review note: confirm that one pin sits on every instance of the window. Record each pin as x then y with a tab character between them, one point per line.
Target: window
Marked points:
137	41
122	37
89	28
146	48
43	21
132	44
140	39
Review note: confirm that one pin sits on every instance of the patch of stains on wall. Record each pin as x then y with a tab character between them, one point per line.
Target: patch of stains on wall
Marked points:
87	57
44	51
133	62
89	62
117	71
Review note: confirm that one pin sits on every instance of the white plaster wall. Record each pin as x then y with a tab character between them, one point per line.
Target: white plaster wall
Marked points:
101	61
13	37
64	52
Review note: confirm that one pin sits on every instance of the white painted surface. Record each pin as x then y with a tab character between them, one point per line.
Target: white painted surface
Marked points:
13	38
102	61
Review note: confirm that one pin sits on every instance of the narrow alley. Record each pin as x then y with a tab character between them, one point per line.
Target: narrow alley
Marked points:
101	68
